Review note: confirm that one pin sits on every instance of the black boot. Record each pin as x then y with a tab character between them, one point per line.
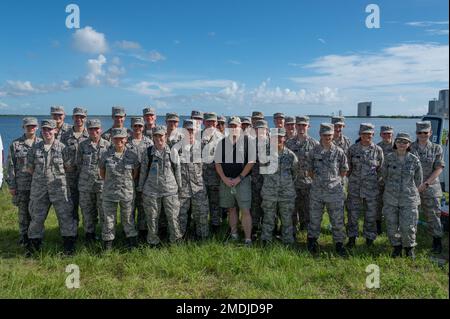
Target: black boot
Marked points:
397	251
107	245
369	242
23	240
379	227
69	245
340	250
143	235
89	238
437	246
131	242
215	229
312	245
34	245
409	252
351	242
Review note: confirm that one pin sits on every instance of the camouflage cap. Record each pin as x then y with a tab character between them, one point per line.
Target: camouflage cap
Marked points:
366	128
79	111
160	130
261	124
257	115
403	136
188	124
119	132
386	129
196	115
210	116
57	110
137	121
48	123
94	123
172	117
234	120
289	120
340	120
423	126
246	120
118	111
28	121
302	119
149	110
278	114
326	128
279	132
221	119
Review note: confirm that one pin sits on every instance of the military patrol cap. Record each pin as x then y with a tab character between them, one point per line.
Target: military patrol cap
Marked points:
137	121
261	124
57	110
234	120
221	118
278	114
48	123
289	120
423	126
257	115
79	111
326	128
246	120
28	121
160	130
403	136
119	132
149	110
188	124
280	132
196	115
94	123
118	111
386	129
366	128
210	116
340	120
302	119
172	117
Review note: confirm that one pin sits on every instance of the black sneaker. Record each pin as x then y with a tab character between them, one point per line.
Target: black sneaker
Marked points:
340	250
132	242
397	251
69	245
351	242
33	246
23	240
312	245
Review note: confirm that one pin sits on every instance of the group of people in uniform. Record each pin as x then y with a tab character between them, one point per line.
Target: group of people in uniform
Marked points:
159	186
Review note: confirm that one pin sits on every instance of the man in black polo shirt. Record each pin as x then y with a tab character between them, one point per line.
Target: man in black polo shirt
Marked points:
235	156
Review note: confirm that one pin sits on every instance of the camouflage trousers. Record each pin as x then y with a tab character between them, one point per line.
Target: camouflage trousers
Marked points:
285	209
110	217
301	212
401	224
39	208
72	184
256	209
152	207
91	210
355	205
213	199
335	212
380	203
139	207
22	201
430	208
198	205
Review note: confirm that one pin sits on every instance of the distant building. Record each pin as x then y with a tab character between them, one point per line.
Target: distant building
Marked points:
439	107
365	109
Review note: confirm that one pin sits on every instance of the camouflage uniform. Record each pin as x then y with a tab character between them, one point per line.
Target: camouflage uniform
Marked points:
343	141
158	182
116	111
401	198
363	178
387	148
431	158
62	130
301	148
278	193
90	184
18	177
49	187
118	190
148	131
327	190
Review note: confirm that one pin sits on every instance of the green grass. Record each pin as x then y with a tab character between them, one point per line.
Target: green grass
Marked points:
213	269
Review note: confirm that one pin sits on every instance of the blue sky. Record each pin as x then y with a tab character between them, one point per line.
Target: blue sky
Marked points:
232	57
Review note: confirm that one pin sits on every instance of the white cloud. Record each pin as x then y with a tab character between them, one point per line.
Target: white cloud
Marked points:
89	41
152	56
26	88
437	32
234	62
3	105
128	45
99	73
426	23
321	40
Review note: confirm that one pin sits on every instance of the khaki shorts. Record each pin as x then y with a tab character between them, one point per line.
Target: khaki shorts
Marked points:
243	194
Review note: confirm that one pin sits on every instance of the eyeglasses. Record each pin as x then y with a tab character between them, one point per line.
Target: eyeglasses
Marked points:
402	142
422	133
